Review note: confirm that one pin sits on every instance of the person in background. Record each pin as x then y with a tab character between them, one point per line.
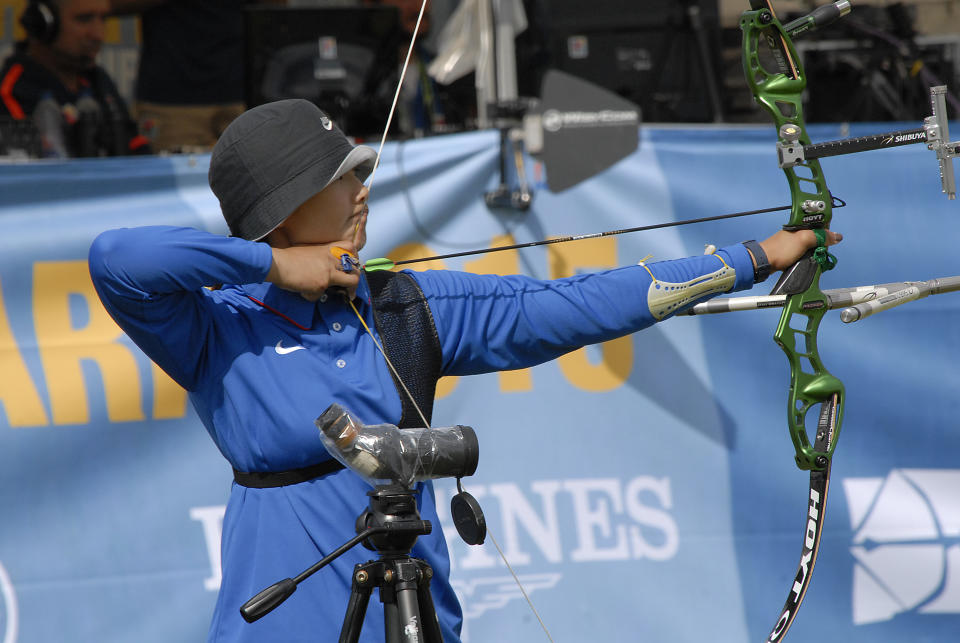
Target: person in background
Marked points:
52	81
420	111
425	107
190	78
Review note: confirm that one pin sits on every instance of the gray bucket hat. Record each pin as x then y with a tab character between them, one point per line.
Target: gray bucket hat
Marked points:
274	157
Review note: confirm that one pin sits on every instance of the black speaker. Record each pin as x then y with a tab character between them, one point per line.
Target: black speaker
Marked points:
658	54
41	20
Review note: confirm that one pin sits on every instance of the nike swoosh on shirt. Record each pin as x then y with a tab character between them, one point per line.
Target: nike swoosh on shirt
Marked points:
283	351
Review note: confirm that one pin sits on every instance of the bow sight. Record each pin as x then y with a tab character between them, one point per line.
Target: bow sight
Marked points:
935	133
772	92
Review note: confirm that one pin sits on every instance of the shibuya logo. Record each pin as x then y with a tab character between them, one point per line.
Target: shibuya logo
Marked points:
906	543
8	609
903	138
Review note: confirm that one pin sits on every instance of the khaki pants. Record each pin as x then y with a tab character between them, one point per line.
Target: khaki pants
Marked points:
185	128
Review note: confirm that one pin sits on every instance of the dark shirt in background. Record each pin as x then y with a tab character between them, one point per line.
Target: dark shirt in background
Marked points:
192	53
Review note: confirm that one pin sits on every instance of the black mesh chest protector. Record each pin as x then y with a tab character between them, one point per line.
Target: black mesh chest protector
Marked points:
409	336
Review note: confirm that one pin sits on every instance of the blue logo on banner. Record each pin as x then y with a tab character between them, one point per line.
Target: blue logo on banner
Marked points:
906	543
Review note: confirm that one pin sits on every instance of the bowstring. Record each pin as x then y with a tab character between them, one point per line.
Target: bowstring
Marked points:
396	96
393	370
376	164
493	538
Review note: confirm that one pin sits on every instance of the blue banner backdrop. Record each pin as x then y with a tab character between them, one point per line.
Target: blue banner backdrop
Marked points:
642	490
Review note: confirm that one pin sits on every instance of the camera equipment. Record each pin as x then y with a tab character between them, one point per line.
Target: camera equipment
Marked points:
393	460
383	454
388	457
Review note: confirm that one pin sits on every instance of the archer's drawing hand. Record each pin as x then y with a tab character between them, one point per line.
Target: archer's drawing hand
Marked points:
312	269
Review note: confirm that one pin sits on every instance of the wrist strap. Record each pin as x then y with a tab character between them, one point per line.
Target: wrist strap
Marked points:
762	269
826	260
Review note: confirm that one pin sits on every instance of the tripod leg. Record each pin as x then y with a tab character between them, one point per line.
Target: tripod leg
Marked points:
360	588
428	614
409	610
393	629
409	621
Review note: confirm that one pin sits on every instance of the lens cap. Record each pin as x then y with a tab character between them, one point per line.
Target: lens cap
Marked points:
468	518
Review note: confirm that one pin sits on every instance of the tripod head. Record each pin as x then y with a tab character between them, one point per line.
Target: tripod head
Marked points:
393	509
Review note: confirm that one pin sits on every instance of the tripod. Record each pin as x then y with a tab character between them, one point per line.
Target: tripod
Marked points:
390	526
404	582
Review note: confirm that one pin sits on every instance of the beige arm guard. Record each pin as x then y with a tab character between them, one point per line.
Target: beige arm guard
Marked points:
665	297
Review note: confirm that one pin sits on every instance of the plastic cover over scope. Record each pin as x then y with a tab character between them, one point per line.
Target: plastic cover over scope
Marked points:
383	454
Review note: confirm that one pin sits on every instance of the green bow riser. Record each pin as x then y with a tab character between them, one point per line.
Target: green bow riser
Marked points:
810	383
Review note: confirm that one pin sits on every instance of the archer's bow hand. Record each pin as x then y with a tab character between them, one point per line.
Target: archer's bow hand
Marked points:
784	248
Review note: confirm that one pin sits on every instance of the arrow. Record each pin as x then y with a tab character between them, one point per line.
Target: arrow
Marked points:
383	263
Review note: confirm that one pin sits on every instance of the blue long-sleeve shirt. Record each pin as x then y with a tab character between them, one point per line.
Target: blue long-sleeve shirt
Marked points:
261	363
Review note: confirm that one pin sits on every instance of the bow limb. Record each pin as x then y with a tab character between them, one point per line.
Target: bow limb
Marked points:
780	94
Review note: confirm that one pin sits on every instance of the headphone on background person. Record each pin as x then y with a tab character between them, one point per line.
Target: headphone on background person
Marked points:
41	19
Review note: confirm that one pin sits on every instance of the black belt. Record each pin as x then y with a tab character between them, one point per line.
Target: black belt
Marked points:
270	479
